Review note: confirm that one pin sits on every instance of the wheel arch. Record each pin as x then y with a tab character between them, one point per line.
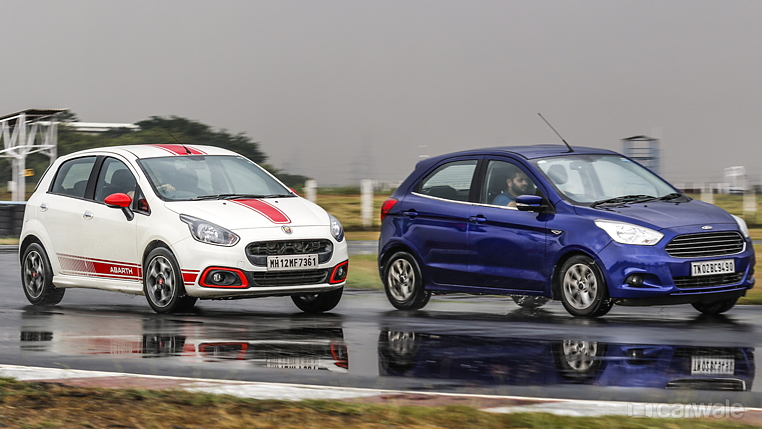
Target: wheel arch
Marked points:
391	250
555	282
154	245
29	239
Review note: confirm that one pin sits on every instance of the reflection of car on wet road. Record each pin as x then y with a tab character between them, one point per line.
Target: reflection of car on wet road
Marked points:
294	345
589	227
177	223
525	362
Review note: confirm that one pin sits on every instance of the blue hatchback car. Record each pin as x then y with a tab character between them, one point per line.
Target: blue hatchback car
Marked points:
586	226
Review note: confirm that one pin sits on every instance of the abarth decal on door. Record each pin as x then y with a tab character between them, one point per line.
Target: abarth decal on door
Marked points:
81	266
177	149
272	213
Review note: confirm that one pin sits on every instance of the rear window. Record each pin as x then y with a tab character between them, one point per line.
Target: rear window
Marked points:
451	181
71	178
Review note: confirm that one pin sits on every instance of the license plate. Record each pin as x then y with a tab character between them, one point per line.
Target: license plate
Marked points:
292	262
293	363
704	365
708	268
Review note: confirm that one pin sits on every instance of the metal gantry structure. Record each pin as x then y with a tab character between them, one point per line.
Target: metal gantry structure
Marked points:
24	133
645	150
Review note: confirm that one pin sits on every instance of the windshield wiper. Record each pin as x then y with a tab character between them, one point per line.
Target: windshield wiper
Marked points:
207	197
624	200
670	197
237	196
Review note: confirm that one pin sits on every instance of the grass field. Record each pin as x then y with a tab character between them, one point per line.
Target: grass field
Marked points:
52	406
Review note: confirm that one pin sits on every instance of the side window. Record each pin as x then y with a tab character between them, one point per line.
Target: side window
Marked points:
71	178
114	177
503	182
451	181
140	203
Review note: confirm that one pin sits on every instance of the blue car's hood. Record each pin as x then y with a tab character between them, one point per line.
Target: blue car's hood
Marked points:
660	215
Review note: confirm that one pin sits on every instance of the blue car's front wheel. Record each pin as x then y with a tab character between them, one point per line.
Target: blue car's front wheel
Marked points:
583	288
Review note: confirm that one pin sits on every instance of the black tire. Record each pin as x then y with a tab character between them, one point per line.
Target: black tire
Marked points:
37	277
715	307
318	302
403	282
528	301
163	283
583	289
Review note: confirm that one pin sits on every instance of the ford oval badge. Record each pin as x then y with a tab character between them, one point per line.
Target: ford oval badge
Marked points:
287	229
706	227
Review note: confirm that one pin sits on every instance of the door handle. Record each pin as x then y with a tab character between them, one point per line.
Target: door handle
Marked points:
478	218
411	213
87	215
43	207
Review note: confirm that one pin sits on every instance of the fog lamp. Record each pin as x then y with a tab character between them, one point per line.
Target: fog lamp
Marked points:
635	280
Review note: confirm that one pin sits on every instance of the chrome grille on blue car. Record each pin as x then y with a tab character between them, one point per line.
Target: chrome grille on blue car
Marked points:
706	244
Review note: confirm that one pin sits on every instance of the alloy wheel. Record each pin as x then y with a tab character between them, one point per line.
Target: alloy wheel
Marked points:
401	279
580	286
160	281
34	274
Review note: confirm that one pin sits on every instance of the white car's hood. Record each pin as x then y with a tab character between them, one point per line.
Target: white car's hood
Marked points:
253	213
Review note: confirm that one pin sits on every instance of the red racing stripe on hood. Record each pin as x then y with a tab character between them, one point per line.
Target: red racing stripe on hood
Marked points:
178	149
274	214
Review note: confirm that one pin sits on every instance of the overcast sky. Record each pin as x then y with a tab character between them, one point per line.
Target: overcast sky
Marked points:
341	90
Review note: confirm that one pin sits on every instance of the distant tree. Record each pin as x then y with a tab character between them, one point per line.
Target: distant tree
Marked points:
193	132
155	130
293	181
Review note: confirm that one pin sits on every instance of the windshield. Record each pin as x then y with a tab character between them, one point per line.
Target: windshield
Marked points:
182	178
596	179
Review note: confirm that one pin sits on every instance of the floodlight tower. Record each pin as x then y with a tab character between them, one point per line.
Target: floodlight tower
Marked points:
23	133
643	149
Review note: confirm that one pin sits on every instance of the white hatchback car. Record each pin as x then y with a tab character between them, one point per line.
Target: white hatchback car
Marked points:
177	223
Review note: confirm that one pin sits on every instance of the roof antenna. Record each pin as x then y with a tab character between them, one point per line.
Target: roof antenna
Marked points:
559	135
187	151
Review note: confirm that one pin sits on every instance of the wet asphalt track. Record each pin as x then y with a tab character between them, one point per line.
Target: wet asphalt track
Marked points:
458	344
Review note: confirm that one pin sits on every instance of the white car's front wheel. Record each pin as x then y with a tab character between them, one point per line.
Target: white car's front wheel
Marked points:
163	283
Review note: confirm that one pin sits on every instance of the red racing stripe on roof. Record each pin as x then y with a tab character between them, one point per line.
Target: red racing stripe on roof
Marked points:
274	214
178	149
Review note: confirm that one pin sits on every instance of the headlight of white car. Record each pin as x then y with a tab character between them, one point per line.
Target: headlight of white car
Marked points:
207	232
337	231
627	233
742	225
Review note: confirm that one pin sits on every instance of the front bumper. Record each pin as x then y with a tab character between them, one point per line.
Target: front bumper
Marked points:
198	260
667	279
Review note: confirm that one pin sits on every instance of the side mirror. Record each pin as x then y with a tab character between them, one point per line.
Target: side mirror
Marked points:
531	203
121	201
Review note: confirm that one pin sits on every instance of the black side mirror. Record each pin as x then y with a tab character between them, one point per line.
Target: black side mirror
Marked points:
531	203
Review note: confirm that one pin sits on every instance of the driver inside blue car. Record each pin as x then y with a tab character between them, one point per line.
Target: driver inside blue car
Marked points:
517	183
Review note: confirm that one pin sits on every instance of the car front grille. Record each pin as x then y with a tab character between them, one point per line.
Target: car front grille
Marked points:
289	278
689	282
258	252
706	244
